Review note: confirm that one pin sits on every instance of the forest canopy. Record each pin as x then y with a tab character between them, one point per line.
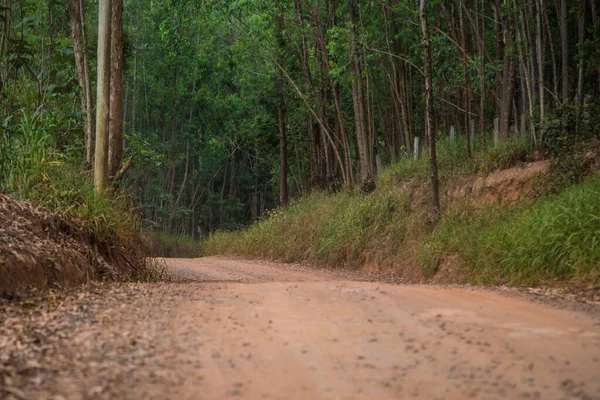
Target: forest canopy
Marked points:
231	108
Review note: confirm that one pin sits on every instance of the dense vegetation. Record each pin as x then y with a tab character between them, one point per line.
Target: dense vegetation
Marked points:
222	110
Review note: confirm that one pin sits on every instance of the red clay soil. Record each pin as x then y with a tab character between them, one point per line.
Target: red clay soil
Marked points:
504	187
249	330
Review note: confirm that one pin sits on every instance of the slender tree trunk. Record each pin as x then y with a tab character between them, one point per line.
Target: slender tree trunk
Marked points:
177	202
521	43
482	76
508	82
552	52
581	66
540	56
430	133
281	107
593	7
564	40
343	138
283	159
83	76
103	96
5	13
367	182
467	91
115	148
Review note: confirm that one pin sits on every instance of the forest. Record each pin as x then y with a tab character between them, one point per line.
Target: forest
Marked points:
299	199
211	112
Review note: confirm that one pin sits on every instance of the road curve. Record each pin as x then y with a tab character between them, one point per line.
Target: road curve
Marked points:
248	330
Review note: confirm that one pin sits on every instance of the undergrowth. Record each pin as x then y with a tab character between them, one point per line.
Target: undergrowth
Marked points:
33	168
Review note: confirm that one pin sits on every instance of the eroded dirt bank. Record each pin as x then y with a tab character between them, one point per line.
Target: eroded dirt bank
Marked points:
43	250
263	331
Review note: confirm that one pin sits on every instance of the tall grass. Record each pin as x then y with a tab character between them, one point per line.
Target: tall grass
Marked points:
556	238
26	152
350	228
342	230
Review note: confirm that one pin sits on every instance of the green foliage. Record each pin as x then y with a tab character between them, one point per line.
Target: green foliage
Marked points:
570	125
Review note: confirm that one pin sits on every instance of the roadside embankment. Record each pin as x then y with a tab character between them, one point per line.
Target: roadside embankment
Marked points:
42	249
502	222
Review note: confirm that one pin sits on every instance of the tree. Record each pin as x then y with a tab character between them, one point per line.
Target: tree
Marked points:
564	40
83	75
103	96
115	148
367	182
281	105
430	133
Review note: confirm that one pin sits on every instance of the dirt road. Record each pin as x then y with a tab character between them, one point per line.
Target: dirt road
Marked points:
247	330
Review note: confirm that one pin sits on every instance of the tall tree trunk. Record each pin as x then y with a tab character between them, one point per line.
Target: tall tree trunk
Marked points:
581	39
430	133
281	107
482	76
521	43
550	40
508	82
115	148
83	75
283	159
564	40
467	91
362	140
103	97
539	41
593	5
177	202
595	24
342	135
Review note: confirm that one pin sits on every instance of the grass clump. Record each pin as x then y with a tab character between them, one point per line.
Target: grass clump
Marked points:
558	238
